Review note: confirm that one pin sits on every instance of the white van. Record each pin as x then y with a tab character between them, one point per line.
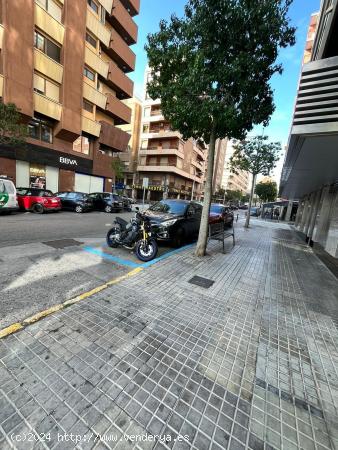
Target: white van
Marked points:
8	201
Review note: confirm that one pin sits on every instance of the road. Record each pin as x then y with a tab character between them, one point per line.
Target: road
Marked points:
38	269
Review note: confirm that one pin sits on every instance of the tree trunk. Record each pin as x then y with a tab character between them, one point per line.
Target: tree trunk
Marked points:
247	222
204	227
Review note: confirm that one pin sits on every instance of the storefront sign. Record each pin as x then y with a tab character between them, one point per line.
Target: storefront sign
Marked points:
68	161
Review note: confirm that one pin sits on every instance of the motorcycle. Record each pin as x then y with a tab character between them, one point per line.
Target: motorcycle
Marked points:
135	235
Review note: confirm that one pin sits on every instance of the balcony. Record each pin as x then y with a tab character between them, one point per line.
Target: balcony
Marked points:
197	164
118	110
119	81
121	52
1	85
90	126
133	6
199	152
107	4
317	101
1	35
97	28
94	96
49	25
113	137
154	134
47	107
161	151
167	168
47	66
123	22
95	62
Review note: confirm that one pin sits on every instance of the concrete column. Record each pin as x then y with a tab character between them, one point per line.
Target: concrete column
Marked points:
300	212
310	212
288	211
315	208
305	214
332	236
323	221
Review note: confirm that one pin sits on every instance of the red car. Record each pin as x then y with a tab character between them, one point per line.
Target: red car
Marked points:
37	200
219	213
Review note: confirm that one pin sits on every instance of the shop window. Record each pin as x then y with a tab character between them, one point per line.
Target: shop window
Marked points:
48	47
91	40
87	106
94	6
89	74
82	145
46	87
41	130
37	176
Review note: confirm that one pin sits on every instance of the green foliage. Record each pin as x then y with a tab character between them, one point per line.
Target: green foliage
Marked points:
256	156
212	67
12	130
266	191
118	167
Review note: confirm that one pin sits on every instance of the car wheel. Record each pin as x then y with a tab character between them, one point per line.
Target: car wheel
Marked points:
78	209
179	238
108	209
37	208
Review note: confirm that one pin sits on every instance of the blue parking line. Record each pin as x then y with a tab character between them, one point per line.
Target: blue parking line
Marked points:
127	262
121	261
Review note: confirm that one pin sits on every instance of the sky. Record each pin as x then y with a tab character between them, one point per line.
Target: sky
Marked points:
284	86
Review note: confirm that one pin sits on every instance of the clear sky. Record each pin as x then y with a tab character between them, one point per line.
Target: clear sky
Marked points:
285	85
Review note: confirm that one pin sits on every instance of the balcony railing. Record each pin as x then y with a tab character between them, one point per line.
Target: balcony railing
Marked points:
118	110
120	81
49	25
94	96
90	126
121	52
123	22
47	66
113	137
97	28
132	5
317	101
95	62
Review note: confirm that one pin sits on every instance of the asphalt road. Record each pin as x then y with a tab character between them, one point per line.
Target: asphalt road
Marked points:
24	228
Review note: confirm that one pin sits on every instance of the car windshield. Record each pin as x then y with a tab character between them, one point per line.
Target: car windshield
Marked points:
218	209
21	191
171	207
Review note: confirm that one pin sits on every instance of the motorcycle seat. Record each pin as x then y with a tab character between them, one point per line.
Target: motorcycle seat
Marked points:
123	223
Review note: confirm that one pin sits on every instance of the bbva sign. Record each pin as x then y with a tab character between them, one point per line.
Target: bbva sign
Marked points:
68	161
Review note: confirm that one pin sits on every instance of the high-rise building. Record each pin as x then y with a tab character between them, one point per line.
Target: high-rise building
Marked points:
233	181
173	167
310	171
130	157
64	64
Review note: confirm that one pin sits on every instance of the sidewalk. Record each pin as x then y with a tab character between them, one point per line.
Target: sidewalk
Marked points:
250	362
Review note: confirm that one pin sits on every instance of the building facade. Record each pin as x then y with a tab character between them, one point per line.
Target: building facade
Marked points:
64	64
310	171
233	181
174	167
130	157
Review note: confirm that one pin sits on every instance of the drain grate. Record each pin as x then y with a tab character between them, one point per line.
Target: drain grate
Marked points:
202	282
63	243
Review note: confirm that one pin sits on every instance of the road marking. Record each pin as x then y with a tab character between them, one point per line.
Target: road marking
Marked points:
103	255
47	312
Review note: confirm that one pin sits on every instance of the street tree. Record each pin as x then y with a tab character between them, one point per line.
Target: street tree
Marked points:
12	130
211	70
266	191
256	156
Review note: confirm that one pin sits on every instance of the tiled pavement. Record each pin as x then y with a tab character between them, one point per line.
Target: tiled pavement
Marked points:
251	362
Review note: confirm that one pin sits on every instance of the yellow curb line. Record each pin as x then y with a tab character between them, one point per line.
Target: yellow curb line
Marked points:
11	329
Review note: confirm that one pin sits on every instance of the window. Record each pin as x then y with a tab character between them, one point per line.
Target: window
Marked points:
87	106
47	46
46	87
91	40
146	128
89	74
53	8
41	130
94	6
103	15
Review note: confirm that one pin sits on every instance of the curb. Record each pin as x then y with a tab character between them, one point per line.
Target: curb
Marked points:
18	326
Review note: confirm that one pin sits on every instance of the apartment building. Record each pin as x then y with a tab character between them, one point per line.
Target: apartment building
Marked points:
64	63
130	157
174	167
233	181
310	171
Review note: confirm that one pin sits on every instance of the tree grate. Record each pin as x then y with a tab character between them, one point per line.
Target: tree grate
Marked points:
201	282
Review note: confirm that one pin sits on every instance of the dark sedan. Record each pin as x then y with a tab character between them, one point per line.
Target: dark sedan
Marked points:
175	221
75	201
106	201
219	212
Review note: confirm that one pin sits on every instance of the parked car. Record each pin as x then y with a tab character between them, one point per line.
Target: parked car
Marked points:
175	220
37	200
133	201
219	213
106	201
126	203
8	199
255	211
75	201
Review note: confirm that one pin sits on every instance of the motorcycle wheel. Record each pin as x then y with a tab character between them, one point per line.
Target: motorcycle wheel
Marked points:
111	242
146	250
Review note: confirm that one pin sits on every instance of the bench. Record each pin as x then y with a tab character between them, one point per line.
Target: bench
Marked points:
218	232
